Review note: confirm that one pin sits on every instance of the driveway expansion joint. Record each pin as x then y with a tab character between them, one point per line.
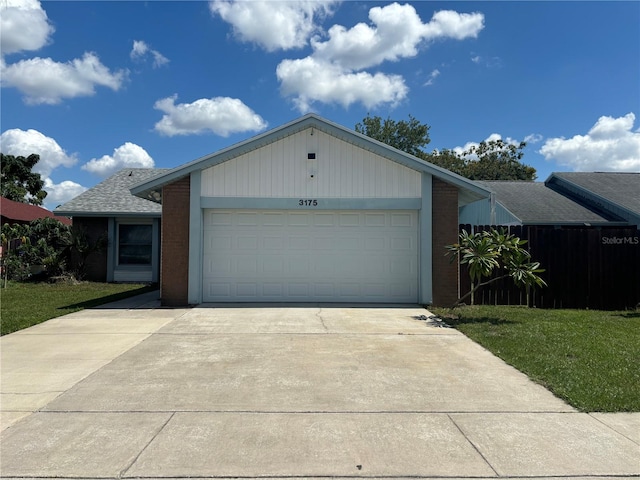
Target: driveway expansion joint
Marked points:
475	447
162	427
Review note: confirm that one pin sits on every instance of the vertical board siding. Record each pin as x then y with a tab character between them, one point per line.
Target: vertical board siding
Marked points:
282	170
585	267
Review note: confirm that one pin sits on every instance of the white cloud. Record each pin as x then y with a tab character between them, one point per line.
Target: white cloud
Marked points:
220	115
311	80
533	138
610	145
25	142
59	193
44	81
450	24
23	26
432	77
333	72
489	62
127	155
273	25
396	33
141	50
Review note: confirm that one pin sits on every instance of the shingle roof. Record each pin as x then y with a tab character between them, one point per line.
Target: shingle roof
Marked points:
620	188
23	212
112	196
535	203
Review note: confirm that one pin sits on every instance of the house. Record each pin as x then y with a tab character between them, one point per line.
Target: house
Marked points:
307	212
564	199
583	228
616	194
131	224
17	212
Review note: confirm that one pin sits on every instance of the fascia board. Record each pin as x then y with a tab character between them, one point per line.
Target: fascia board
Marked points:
515	217
63	213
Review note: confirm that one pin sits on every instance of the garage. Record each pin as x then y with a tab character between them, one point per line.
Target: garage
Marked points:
309	211
362	256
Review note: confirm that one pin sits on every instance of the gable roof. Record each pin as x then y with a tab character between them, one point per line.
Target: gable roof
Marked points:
24	212
536	203
151	188
113	197
615	192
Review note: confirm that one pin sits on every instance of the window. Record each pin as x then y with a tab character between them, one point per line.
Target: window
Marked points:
134	244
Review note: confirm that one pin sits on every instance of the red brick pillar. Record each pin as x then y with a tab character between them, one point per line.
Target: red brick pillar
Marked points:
445	232
174	272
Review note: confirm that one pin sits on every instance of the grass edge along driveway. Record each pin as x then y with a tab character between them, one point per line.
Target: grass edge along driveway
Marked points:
589	358
25	304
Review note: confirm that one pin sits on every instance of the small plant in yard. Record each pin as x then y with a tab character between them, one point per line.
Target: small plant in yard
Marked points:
45	248
488	252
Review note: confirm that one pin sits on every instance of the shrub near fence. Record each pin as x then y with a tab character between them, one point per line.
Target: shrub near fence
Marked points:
585	267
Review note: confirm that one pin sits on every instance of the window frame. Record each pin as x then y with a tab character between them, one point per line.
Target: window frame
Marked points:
134	223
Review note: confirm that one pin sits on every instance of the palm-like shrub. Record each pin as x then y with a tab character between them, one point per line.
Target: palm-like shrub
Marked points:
494	255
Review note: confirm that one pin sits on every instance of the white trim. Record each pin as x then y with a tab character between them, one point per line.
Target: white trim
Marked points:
425	237
194	291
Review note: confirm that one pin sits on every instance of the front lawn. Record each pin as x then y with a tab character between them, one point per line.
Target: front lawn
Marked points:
589	358
25	304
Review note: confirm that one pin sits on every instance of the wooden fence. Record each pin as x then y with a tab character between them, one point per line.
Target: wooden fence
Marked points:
586	267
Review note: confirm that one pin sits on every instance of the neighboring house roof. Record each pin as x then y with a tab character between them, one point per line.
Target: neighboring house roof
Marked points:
19	212
151	188
616	193
112	197
536	203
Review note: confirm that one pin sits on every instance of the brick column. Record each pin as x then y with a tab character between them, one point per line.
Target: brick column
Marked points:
444	232
174	269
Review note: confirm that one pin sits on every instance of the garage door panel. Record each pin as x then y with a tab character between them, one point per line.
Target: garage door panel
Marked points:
273	290
310	256
402	220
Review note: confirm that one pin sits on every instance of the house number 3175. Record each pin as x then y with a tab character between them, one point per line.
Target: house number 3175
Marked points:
308	203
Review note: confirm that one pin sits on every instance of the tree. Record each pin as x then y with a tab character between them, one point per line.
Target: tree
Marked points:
489	160
497	160
38	247
19	183
409	136
488	252
447	159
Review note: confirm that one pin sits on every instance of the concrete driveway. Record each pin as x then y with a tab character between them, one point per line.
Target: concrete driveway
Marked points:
132	390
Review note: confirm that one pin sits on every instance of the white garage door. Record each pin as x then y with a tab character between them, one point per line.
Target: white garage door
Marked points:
302	256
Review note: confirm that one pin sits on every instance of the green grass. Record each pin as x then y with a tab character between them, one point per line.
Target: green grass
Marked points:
25	304
589	358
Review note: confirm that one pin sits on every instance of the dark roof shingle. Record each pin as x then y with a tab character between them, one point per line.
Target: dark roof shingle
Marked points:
620	188
535	203
112	196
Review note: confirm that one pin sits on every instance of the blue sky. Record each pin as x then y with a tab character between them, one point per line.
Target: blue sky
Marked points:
97	86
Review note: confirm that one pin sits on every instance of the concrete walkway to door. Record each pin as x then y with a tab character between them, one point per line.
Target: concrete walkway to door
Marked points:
131	390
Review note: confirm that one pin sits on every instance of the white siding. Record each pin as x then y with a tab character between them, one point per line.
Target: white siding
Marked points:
282	170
